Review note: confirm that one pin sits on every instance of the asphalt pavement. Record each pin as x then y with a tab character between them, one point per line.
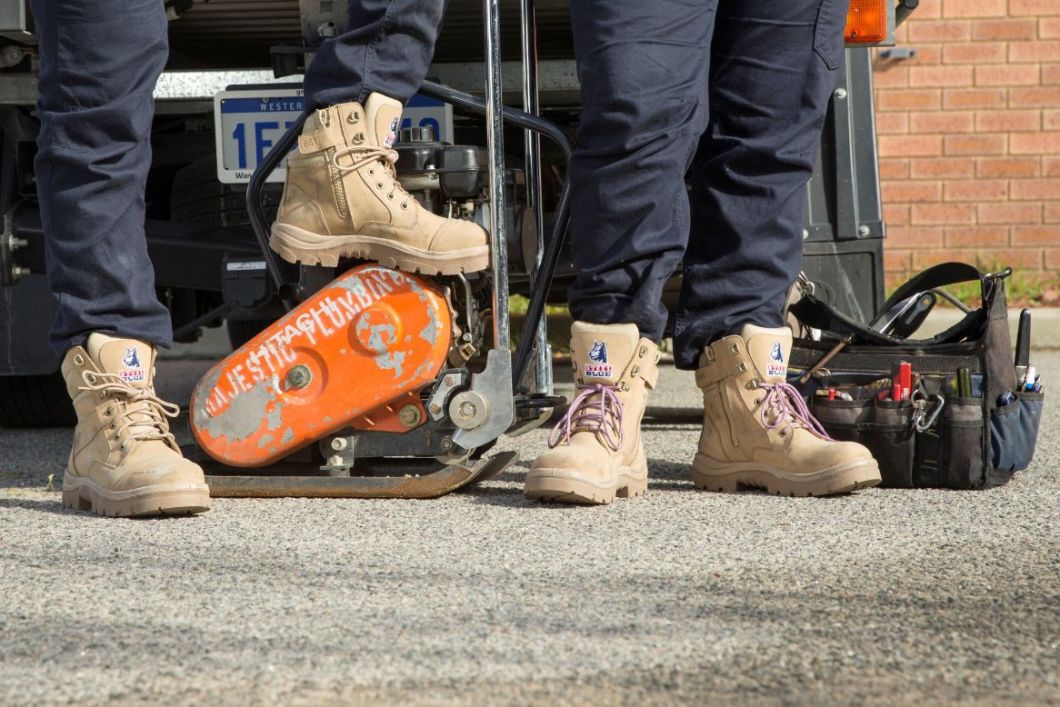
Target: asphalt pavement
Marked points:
882	597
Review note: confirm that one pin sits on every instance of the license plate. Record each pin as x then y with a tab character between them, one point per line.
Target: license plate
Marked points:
248	122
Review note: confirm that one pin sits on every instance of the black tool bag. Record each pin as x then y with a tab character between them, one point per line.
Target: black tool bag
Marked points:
950	433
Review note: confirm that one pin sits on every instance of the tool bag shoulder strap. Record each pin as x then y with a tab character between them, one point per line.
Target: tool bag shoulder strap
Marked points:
820	315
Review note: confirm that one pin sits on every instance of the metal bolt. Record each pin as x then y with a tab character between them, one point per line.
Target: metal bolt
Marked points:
447	381
467	410
14	243
840	93
336	460
447	443
435	408
18	272
863	231
339	443
805	233
409	416
299	376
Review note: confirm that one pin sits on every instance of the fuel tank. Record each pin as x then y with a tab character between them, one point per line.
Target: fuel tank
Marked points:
355	354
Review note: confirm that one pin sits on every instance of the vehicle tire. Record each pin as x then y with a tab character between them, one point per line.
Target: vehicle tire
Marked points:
35	401
197	197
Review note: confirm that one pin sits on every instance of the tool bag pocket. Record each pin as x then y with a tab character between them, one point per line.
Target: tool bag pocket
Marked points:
1013	434
961	460
884	428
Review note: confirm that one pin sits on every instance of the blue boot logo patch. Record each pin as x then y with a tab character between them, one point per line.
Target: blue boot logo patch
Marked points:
133	372
776	366
598	367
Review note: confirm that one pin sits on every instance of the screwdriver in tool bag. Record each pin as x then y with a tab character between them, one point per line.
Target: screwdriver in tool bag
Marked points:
823	361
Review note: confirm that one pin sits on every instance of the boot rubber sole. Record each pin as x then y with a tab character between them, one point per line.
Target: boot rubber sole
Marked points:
164	499
297	245
561	486
728	477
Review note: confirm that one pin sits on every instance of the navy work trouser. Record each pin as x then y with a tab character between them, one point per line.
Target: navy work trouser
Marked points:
734	92
100	60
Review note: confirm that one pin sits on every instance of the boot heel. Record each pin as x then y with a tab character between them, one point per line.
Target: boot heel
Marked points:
72	499
633	488
707	476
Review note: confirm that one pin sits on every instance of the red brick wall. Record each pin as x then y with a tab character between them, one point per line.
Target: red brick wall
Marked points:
969	136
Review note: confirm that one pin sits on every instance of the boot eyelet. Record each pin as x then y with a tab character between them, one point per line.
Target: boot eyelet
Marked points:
635	371
371	171
735	348
79	360
390	196
643	351
404	205
742	367
379	185
758	401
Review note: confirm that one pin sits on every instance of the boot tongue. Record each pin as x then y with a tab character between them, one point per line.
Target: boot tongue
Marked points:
129	359
384	119
601	352
133	361
769	350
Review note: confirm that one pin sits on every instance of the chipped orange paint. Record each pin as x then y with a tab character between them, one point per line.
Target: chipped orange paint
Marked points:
352	355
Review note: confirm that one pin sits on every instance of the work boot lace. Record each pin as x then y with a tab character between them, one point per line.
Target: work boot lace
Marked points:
598	409
138	410
365	155
783	407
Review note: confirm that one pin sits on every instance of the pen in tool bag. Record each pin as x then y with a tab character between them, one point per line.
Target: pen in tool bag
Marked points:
1030	379
964	383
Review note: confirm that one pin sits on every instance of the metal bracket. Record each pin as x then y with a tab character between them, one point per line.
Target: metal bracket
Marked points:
10	271
494	384
896	53
449	382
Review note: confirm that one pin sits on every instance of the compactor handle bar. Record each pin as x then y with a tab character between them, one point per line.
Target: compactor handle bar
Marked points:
543	277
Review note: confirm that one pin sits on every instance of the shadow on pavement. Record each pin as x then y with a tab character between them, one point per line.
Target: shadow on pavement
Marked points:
662	476
43	506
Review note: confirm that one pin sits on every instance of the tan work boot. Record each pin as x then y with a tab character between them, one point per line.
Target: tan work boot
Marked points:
757	430
124	460
596	452
343	200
